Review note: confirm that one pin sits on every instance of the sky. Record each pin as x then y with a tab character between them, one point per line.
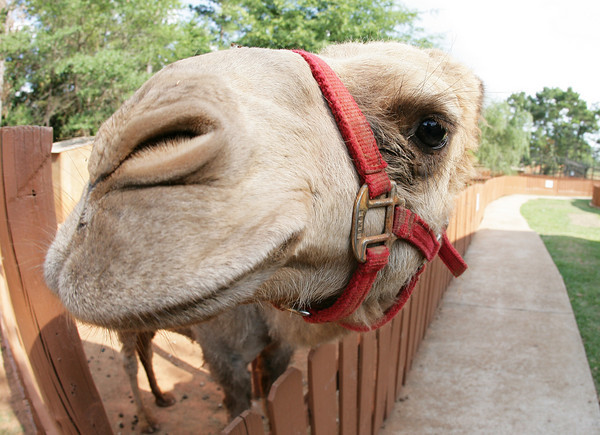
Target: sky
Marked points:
520	45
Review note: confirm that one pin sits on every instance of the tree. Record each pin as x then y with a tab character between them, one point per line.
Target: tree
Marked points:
564	127
73	62
307	24
505	136
4	29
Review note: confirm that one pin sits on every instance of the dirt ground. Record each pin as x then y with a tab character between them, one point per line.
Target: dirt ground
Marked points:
180	370
11	403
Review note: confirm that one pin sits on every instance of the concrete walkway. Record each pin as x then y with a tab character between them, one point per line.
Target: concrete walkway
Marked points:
503	355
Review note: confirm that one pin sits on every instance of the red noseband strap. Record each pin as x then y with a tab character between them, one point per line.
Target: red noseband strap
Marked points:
407	226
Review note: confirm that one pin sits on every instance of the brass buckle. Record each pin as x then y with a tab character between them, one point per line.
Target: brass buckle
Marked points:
362	204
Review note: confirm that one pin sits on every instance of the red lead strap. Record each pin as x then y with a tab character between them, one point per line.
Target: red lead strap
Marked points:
408	226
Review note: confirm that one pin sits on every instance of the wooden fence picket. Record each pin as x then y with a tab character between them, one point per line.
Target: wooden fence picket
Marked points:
322	389
413	323
247	423
254	423
402	348
426	294
47	335
382	374
285	404
393	365
432	294
348	384
367	360
236	427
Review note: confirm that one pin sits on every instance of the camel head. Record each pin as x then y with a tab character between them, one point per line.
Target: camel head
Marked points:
224	180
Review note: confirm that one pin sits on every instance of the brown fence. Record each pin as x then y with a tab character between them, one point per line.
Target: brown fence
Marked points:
352	386
596	196
540	185
42	338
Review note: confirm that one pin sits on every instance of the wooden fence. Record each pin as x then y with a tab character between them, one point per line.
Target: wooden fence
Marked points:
352	386
48	355
596	196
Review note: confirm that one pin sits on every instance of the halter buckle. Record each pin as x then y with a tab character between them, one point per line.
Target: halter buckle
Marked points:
362	204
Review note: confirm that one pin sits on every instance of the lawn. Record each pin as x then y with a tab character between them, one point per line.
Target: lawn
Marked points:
570	230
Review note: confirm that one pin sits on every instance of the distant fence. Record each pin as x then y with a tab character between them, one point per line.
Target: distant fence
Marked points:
596	196
541	185
352	386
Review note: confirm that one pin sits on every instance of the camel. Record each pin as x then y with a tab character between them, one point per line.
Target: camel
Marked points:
226	181
229	343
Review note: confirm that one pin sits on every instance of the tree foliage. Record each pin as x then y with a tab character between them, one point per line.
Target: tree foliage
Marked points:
73	62
505	136
551	130
564	127
307	24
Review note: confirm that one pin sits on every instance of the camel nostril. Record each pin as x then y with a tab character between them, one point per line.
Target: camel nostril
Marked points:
164	139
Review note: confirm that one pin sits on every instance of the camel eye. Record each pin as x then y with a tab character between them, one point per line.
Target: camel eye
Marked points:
432	134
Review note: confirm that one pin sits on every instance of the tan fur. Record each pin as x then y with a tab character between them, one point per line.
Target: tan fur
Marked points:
224	181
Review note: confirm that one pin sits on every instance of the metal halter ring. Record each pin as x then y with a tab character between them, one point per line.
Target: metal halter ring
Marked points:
362	204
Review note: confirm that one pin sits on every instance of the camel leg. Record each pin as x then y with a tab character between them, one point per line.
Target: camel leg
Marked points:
229	369
229	343
144	350
129	341
228	348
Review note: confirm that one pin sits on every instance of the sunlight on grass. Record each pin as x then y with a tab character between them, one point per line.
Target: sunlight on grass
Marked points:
570	230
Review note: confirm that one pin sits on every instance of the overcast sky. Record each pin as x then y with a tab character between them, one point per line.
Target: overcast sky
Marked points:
521	45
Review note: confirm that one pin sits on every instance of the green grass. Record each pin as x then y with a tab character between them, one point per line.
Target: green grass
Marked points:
570	230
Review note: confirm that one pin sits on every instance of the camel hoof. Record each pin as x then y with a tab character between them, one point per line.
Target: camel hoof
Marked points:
165	400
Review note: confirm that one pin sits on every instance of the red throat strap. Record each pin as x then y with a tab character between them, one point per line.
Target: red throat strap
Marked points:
408	226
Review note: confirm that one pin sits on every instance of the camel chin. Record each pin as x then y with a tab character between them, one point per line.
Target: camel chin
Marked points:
224	181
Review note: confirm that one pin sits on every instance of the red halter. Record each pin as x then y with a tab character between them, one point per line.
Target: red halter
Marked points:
377	191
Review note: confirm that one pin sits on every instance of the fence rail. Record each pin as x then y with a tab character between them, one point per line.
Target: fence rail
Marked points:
352	385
